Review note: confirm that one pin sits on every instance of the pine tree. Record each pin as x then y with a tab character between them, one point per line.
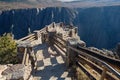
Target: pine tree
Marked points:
8	52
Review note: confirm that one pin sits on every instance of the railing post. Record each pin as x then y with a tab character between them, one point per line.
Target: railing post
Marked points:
20	52
27	59
44	37
37	35
70	33
71	55
29	50
67	56
103	73
50	37
118	49
76	30
24	57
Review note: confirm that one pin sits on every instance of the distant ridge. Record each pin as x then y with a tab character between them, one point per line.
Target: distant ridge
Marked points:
20	4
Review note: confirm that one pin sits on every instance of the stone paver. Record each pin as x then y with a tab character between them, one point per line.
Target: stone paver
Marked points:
49	65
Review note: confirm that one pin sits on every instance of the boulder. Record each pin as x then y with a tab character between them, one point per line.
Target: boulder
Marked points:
103	51
2	68
82	43
14	72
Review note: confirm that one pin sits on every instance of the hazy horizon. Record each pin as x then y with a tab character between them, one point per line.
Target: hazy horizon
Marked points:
67	0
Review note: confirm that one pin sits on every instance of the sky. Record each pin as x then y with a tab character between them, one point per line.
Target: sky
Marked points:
66	0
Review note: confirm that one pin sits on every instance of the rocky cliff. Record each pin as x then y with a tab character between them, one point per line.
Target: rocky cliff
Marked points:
21	21
98	26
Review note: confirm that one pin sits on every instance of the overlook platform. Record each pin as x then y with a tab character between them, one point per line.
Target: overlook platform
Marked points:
57	53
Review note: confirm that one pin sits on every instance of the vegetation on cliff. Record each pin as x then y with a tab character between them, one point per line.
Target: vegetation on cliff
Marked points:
8	50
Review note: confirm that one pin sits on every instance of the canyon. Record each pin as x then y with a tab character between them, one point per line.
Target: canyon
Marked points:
98	26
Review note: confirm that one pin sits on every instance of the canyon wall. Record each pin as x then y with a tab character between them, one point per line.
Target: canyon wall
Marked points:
98	26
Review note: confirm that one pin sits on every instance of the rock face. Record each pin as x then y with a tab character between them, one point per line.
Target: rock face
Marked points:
98	26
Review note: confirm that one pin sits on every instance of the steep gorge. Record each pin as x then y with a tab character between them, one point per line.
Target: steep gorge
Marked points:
98	26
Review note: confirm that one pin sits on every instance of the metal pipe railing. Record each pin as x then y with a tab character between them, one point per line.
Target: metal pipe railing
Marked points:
24	56
108	67
27	37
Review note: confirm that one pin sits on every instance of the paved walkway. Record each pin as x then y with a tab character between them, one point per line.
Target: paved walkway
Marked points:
50	65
